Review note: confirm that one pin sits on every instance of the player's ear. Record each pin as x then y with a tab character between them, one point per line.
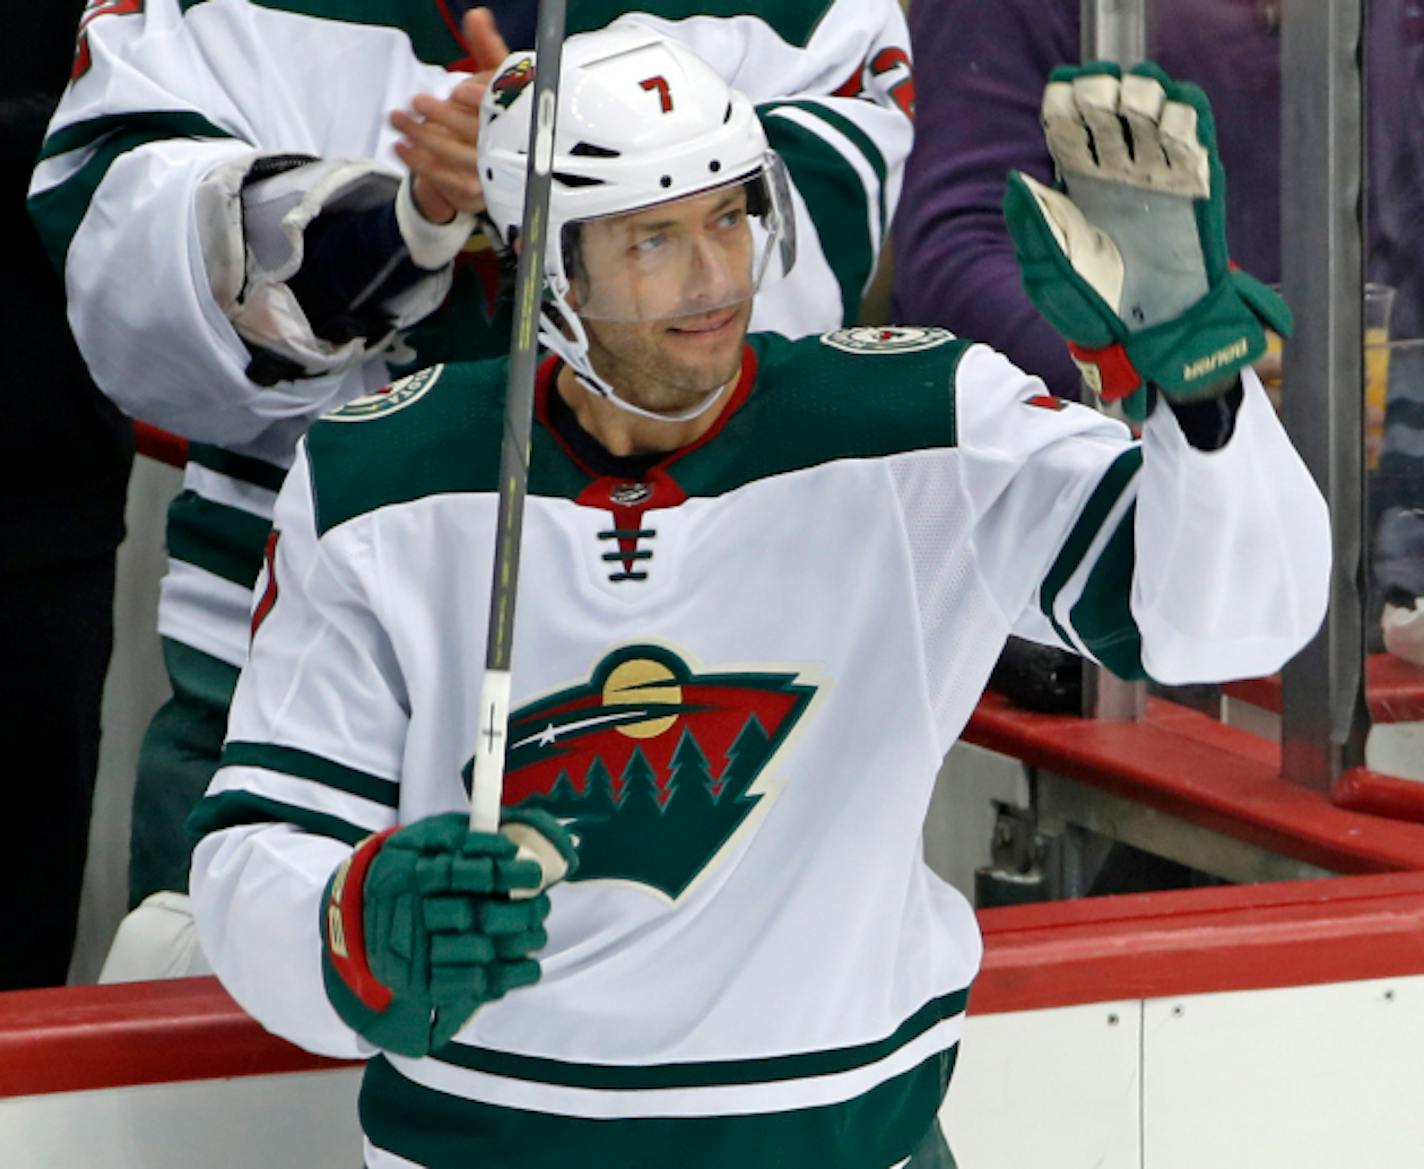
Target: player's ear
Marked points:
571	242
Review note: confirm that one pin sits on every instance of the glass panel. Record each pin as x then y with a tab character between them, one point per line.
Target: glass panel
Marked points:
1231	49
1394	370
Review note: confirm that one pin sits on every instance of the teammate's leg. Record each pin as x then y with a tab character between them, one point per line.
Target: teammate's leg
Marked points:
179	755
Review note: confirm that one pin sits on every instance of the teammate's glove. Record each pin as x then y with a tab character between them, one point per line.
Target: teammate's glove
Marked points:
1128	258
422	925
253	215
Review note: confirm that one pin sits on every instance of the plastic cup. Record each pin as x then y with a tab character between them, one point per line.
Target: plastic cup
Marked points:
1379	303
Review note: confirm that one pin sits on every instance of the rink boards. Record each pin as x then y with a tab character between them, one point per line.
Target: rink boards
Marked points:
1270	1026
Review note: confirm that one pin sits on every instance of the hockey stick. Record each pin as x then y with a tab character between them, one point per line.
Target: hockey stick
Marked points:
487	780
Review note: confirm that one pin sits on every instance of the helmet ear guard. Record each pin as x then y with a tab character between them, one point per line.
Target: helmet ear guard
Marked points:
642	121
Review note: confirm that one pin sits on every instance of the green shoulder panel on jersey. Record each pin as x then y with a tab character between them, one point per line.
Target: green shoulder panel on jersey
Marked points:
58	211
432	38
794	21
436	432
859	393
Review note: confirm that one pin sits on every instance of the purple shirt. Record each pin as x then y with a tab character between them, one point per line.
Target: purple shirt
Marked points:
980	72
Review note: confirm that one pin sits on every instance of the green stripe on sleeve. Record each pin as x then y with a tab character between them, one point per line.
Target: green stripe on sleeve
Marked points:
430	32
232	809
235	466
1100	504
58	211
1102	616
863	142
614	1077
835	199
225	541
153	127
305	765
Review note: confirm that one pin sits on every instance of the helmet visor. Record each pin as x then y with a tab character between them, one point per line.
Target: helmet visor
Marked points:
688	256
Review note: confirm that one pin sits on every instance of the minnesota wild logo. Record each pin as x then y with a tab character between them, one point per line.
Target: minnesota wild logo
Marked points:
653	766
886	338
512	82
397	396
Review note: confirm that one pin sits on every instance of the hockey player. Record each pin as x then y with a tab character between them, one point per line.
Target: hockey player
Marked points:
239	156
758	603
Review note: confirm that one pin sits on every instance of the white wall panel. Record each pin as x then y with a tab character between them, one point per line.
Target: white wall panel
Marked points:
1055	1088
301	1121
135	688
1318	1077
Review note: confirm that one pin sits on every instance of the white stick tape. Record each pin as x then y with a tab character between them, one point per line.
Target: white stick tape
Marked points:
487	783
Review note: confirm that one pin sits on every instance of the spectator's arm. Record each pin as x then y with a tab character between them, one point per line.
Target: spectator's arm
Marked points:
981	72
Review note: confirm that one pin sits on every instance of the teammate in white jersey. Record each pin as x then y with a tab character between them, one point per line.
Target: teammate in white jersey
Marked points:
763	583
222	186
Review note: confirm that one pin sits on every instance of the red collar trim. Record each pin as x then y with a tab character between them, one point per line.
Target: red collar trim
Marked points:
465	64
544	386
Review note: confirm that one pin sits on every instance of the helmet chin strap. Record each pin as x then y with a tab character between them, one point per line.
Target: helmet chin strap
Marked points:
574	351
712	398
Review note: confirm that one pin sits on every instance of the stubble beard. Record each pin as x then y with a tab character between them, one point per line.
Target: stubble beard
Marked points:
644	368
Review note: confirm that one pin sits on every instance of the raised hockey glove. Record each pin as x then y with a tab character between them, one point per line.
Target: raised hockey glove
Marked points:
422	925
1127	256
254	214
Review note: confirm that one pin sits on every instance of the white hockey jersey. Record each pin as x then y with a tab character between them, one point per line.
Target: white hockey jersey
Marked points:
736	678
164	91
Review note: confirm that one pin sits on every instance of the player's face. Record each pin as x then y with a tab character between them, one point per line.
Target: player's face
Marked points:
665	297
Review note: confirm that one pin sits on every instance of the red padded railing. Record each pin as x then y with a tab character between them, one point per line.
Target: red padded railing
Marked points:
1201	941
1394	691
74	1038
1063	953
160	445
1203	772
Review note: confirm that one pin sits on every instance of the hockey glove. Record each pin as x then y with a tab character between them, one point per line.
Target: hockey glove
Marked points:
1127	257
253	215
422	925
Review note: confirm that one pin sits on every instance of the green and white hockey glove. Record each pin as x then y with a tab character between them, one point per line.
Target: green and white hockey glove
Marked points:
422	925
1127	257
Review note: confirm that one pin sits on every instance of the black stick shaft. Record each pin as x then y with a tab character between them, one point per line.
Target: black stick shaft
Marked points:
488	780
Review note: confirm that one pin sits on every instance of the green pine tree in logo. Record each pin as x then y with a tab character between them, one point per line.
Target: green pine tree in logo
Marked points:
651	765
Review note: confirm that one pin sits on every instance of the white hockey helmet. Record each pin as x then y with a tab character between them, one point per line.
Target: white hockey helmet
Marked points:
641	121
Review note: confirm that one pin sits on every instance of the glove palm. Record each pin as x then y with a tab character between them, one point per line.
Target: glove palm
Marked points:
1128	259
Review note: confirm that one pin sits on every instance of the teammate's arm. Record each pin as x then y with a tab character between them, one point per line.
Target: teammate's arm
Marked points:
158	166
836	96
981	72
